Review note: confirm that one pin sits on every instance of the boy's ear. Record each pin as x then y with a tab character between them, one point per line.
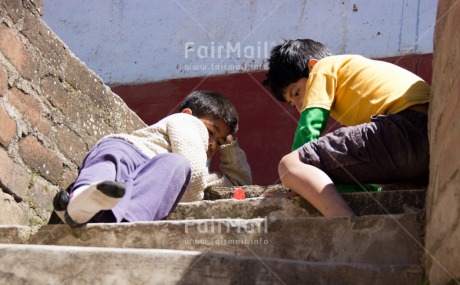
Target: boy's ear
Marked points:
312	63
187	111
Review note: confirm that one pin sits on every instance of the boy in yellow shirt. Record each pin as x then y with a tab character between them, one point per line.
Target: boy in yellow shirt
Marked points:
382	106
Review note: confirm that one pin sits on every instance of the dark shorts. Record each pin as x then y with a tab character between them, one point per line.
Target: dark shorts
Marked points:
389	149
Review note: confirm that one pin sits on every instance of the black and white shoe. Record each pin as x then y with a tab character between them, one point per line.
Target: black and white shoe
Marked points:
86	201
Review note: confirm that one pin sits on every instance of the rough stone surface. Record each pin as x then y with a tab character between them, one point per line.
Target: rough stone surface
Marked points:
39	264
39	6
7	128
443	206
41	159
244	209
350	250
250	191
14	9
16	53
41	197
68	177
12	212
15	234
52	110
3	82
316	239
363	203
13	178
31	110
71	144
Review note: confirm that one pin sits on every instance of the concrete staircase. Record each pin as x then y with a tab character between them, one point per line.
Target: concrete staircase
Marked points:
226	241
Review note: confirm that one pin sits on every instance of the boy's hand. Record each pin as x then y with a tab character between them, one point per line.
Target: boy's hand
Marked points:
229	139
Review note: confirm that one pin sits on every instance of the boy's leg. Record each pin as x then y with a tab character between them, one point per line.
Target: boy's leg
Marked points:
95	188
313	185
157	188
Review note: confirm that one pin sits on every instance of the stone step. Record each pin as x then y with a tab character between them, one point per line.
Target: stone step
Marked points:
35	264
253	191
384	239
363	203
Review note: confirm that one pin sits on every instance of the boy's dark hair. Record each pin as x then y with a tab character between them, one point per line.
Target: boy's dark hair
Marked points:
208	103
289	62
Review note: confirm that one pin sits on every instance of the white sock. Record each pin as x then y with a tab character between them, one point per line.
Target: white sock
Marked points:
88	200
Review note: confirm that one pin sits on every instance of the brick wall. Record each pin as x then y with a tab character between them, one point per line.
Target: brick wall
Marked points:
52	110
443	200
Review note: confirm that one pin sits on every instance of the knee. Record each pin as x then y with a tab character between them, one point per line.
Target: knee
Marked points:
287	166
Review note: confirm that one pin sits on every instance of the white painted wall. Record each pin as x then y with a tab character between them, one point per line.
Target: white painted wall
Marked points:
140	41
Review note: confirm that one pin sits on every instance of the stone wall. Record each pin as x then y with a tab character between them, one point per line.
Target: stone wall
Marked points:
443	203
52	110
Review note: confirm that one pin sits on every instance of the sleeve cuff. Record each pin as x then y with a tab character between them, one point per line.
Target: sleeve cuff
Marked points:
230	145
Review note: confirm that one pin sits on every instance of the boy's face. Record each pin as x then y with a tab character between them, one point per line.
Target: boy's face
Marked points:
295	92
218	132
